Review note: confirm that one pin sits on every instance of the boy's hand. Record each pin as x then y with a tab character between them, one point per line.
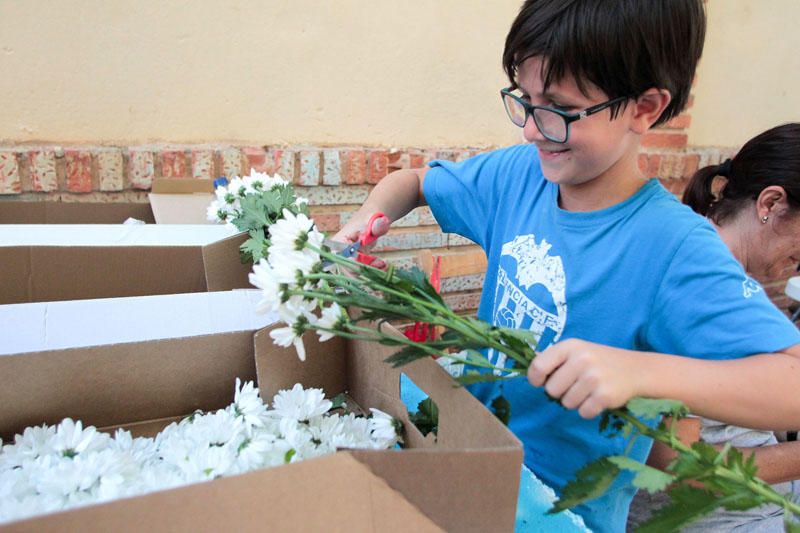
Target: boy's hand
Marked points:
351	232
586	376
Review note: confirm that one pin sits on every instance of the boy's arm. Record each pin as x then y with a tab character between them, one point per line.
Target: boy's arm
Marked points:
395	195
776	463
759	391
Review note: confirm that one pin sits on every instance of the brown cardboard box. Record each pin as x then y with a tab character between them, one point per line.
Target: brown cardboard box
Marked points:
181	201
336	493
464	480
66	262
13	212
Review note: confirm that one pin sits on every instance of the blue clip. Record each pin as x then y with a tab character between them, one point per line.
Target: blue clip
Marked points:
220	181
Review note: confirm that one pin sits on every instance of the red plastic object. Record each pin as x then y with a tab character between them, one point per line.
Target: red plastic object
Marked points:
367	237
422	331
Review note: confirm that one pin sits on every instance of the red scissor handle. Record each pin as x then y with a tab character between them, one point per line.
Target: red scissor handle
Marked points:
368	237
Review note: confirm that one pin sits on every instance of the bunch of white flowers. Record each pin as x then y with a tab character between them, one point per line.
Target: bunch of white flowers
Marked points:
227	206
51	468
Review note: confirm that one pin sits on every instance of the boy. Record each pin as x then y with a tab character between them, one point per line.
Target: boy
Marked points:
605	266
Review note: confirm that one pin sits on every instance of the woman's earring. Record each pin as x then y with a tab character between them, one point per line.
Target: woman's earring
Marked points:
764	219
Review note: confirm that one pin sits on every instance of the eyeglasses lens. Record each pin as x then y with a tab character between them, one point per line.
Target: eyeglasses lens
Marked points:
551	125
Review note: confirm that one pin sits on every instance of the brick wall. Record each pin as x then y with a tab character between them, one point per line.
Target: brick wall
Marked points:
335	179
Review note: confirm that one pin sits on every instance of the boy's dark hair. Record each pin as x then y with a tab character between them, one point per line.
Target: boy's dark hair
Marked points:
624	47
770	158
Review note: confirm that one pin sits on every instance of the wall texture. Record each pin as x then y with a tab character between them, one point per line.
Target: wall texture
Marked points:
101	98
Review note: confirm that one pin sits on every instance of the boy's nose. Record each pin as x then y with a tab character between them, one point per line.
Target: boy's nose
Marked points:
530	131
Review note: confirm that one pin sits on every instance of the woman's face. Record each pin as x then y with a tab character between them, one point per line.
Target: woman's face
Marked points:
777	250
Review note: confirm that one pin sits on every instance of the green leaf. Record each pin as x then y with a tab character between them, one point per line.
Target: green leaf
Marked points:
253	249
472	377
590	482
688	504
253	215
427	417
652	409
338	401
646	477
502	409
408	354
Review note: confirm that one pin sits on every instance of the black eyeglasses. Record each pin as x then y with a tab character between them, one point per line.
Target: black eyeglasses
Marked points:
553	124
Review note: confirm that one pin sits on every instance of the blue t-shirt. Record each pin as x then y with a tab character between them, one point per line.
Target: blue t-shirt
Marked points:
645	274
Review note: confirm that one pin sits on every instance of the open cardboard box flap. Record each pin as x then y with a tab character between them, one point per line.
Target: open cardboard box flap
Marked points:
333	493
181	201
40	273
465	480
13	212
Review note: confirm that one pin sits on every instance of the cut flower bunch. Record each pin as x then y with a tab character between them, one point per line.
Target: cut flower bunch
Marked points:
52	468
312	288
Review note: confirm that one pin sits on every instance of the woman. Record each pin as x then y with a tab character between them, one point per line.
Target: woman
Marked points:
753	200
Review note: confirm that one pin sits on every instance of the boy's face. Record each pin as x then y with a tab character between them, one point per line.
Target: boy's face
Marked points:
597	147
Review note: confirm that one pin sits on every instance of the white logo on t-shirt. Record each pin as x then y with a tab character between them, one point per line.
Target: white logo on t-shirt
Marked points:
513	308
750	287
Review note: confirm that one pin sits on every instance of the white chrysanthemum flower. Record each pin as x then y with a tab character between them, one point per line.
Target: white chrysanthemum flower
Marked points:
383	429
355	433
265	279
247	405
300	404
291	232
208	463
301	200
71	439
333	317
237	187
34	442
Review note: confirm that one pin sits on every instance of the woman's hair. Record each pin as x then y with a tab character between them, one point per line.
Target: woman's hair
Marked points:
771	158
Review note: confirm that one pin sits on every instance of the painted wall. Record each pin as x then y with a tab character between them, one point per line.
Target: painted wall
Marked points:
388	73
750	71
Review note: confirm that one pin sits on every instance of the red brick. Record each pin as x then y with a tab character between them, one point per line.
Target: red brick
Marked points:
416	160
397	160
43	170
681	122
203	164
173	164
10	182
664	139
141	169
354	166
327	222
378	165
79	171
283	163
653	164
256	158
690	164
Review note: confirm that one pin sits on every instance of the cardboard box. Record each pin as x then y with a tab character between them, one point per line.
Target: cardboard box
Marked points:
181	201
336	493
13	212
466	479
42	263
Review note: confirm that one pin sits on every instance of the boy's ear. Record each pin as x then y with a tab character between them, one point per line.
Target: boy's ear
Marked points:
648	107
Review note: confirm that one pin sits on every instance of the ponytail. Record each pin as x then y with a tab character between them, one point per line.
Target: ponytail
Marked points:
770	158
698	194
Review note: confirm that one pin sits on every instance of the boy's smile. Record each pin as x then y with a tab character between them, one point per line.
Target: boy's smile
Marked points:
597	167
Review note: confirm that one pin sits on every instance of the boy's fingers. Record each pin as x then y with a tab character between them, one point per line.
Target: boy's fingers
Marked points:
381	226
545	364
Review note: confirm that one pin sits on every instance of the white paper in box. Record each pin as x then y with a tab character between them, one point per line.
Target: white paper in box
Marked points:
34	327
112	234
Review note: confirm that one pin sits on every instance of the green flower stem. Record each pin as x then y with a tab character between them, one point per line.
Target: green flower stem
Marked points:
441	314
756	486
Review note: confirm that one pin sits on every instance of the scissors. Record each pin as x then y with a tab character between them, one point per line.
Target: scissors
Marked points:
354	249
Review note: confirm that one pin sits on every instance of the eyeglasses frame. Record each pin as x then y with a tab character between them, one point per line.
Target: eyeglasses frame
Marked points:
569	118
